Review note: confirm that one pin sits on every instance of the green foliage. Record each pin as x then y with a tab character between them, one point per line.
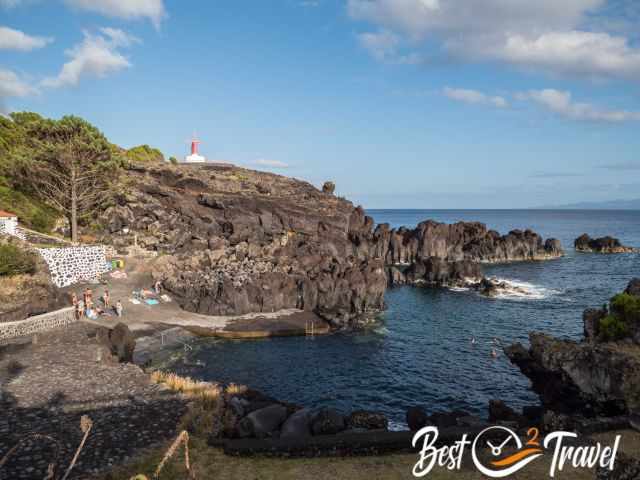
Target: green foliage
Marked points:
612	328
625	313
173	160
30	211
144	153
626	307
15	261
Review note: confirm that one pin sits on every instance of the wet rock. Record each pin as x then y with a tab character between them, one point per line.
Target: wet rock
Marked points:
327	421
416	418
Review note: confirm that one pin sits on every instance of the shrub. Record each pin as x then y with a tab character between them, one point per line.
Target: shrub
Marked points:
613	328
15	261
626	307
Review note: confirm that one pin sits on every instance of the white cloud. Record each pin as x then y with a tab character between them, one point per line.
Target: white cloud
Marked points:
11	85
11	39
381	45
550	35
97	55
270	163
154	10
474	97
561	103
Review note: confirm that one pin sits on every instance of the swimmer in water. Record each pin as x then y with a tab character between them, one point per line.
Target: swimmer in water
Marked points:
494	354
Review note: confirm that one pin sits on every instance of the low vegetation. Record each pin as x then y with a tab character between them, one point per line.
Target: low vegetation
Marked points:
16	261
144	154
624	313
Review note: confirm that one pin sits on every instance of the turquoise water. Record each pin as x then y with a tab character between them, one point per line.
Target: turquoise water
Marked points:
420	353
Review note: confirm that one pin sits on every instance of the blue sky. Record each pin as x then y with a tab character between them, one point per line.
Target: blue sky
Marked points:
403	103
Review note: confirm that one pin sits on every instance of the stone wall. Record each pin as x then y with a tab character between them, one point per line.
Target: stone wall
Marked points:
38	323
74	264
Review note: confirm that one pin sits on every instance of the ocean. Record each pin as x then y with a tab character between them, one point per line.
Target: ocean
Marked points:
420	351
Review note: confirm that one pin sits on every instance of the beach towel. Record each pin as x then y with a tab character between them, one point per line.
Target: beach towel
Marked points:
134	301
165	298
152	301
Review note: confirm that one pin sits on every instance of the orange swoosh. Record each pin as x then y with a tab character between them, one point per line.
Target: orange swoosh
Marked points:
516	457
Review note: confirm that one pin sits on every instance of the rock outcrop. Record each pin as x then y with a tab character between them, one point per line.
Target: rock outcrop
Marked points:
442	254
598	376
236	241
584	243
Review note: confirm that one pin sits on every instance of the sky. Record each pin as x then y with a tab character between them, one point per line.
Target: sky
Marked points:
402	103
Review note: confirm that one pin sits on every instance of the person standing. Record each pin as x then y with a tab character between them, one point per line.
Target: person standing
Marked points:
105	299
119	308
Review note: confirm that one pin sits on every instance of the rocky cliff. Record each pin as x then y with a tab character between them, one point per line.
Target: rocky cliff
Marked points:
236	241
597	376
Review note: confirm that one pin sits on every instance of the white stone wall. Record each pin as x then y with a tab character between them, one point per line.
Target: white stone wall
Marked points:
39	323
9	226
71	265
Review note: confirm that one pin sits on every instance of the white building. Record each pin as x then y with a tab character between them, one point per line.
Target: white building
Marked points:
8	224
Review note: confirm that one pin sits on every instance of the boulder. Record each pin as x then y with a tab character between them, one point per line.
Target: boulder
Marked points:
119	340
264	422
329	188
297	425
327	421
362	419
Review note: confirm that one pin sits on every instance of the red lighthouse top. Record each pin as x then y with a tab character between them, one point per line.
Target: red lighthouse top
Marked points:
194	146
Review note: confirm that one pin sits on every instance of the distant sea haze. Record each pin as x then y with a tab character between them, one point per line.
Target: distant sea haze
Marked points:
633	204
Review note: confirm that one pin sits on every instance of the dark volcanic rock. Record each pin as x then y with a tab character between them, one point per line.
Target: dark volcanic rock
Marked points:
327	421
584	243
417	418
499	412
119	340
592	377
264	422
297	425
237	241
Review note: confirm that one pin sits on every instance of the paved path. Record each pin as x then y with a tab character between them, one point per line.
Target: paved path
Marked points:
47	387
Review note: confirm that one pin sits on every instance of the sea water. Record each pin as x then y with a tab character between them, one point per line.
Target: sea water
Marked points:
420	352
